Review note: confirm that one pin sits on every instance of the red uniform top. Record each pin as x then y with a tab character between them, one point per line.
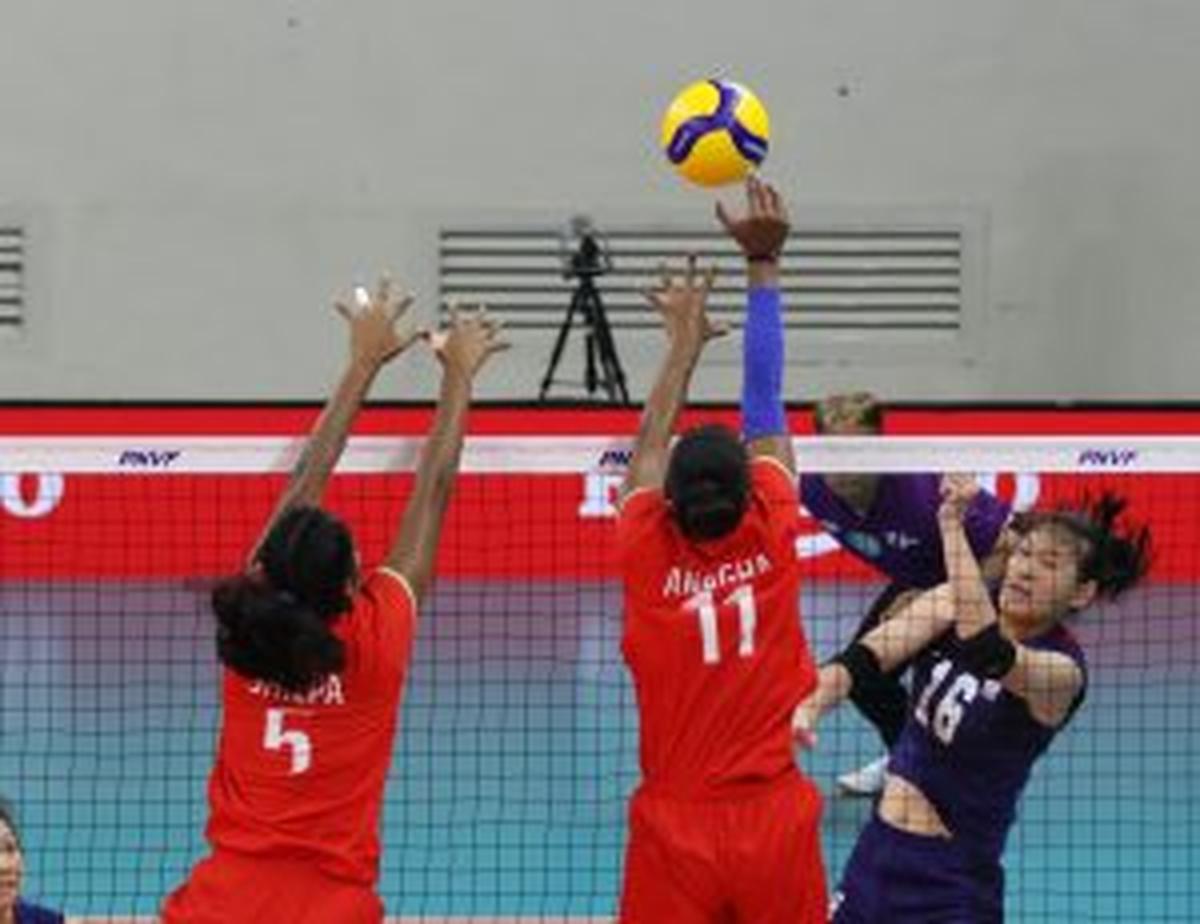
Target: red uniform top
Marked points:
302	775
714	641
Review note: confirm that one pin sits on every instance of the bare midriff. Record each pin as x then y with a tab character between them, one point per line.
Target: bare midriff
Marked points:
905	807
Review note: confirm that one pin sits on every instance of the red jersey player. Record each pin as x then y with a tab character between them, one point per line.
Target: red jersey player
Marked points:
723	827
315	656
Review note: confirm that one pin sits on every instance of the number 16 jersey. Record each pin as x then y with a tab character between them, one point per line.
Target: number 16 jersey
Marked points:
713	639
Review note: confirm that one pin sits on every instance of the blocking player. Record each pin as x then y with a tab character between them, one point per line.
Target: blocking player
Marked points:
315	653
723	826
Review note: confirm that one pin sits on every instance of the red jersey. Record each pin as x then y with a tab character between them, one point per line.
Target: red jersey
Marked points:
714	641
302	775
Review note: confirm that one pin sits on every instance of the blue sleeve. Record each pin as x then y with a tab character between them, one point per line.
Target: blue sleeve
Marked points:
762	365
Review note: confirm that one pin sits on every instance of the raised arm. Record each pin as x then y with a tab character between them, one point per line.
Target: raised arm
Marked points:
462	350
379	332
972	604
1047	681
760	233
681	304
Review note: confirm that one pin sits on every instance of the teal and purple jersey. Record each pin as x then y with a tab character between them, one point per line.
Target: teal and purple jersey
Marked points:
969	744
899	535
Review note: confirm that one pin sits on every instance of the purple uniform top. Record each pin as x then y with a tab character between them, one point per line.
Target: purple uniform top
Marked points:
899	535
26	913
969	744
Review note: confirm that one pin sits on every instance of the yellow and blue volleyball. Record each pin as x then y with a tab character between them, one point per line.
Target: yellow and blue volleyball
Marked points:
715	132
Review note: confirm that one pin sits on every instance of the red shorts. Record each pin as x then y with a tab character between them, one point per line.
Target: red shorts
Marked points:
230	888
755	859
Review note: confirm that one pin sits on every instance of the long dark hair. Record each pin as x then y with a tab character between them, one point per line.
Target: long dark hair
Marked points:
1113	554
274	623
708	482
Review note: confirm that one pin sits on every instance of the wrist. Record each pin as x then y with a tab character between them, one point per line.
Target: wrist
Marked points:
456	381
762	271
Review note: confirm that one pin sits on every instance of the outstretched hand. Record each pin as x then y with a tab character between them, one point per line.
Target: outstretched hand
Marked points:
380	326
763	228
804	723
682	304
466	344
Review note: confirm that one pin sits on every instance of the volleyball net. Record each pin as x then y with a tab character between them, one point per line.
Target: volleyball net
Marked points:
518	738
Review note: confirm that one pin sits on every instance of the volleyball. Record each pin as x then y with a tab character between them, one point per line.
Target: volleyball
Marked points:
715	132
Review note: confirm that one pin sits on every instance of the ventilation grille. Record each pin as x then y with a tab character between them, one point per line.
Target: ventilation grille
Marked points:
12	275
873	281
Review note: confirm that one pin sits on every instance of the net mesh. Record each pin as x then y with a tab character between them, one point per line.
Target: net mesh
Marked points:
518	741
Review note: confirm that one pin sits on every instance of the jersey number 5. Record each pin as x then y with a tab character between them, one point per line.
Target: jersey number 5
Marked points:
276	739
704	606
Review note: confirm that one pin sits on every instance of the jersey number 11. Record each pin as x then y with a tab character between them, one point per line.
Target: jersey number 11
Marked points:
704	606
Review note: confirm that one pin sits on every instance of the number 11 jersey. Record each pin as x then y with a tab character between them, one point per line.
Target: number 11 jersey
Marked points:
712	636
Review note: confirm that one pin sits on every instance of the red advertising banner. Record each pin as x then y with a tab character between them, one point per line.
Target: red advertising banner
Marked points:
144	520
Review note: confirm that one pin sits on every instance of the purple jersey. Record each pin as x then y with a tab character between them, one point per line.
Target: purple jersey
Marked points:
969	744
899	535
25	913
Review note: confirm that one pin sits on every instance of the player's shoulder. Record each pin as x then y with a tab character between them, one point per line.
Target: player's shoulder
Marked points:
1062	640
387	586
769	474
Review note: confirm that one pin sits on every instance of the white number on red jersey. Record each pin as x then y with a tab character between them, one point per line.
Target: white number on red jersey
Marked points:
276	739
705	607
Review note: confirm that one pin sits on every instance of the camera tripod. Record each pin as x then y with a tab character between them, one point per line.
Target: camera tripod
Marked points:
602	367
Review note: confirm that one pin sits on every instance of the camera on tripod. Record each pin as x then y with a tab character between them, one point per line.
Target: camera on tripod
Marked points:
585	258
590	258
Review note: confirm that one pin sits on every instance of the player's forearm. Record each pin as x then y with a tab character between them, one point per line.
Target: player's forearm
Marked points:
328	436
762	363
833	687
660	415
415	550
972	605
1047	681
910	629
325	442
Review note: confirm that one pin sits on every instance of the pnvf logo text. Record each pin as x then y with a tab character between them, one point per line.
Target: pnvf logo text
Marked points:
148	458
1116	457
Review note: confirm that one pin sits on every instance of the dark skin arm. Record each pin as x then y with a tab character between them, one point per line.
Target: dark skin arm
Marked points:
462	350
379	332
680	304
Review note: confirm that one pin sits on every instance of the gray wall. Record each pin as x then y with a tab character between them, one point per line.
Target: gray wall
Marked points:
199	178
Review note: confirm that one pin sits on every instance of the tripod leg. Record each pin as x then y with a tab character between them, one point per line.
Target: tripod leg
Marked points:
614	375
590	377
559	343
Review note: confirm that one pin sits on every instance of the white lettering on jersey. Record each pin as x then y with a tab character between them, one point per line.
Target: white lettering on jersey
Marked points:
683	582
328	692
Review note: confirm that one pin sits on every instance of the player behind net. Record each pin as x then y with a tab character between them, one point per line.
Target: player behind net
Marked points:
723	826
993	685
315	652
889	520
